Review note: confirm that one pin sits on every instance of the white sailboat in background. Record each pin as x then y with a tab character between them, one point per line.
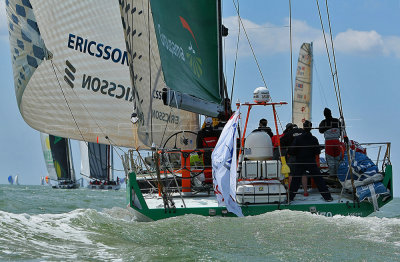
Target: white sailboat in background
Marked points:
302	96
16	180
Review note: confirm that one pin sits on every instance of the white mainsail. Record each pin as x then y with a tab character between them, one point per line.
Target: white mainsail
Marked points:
302	96
156	121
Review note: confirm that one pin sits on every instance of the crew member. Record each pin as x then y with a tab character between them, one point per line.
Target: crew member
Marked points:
331	128
262	126
291	132
207	139
306	147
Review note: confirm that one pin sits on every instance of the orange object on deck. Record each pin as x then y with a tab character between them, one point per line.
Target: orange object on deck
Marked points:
185	165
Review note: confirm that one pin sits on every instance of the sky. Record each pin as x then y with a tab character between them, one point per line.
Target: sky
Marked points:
366	38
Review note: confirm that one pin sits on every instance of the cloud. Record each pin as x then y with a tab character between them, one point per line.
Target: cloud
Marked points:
267	38
270	39
367	42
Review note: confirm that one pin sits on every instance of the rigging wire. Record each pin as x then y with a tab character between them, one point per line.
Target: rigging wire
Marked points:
69	108
320	86
236	55
334	58
251	47
87	110
150	95
329	59
291	55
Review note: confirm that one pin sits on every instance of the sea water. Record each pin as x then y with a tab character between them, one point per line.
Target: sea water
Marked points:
38	223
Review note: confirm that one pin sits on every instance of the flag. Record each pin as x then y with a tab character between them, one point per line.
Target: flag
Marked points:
225	167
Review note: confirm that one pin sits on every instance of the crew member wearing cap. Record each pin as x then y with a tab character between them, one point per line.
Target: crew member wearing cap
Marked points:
207	139
331	128
305	147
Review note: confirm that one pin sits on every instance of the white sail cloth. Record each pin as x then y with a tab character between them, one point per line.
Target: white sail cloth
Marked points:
225	167
303	86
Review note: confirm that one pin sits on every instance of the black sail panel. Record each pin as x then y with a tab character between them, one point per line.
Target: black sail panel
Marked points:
99	157
60	152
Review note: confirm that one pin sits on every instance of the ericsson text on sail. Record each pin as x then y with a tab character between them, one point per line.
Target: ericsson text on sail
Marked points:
97	49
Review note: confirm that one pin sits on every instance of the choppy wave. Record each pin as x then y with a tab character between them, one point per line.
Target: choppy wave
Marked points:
104	230
114	234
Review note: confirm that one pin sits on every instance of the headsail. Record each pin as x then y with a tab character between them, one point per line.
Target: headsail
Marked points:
96	161
48	157
301	109
83	90
156	121
61	153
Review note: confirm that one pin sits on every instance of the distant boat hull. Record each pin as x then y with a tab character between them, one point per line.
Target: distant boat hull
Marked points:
67	186
105	187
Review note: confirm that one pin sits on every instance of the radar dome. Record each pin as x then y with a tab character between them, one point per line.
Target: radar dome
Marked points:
258	146
261	95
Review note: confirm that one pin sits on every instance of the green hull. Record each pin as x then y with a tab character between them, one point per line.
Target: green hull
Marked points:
137	204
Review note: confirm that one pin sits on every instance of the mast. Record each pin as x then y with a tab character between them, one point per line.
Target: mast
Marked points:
222	90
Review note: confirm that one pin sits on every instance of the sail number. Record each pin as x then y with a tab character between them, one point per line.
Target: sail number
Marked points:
327	214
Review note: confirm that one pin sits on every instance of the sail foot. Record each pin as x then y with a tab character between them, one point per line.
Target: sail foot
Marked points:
190	103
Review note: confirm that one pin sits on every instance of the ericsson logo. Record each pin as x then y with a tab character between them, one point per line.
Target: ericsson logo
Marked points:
97	84
69	74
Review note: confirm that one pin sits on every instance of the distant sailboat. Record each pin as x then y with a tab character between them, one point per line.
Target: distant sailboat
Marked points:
10	180
16	180
58	158
302	98
97	166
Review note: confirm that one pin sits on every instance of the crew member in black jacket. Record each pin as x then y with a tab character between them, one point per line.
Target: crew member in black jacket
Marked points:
262	127
306	147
